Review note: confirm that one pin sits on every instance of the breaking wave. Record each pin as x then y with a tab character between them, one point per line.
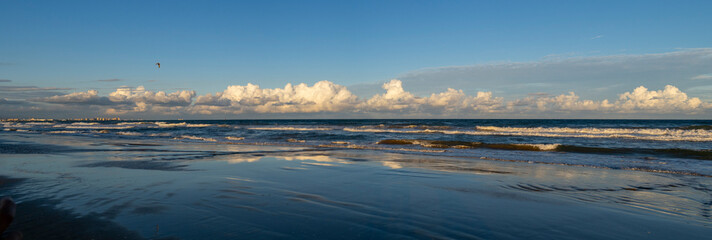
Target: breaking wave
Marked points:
291	128
190	137
671	152
466	145
129	133
96	126
654	134
406	126
182	124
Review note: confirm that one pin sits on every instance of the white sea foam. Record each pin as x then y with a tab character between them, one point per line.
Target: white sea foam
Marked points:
378	130
182	124
234	138
291	128
84	123
62	132
39	123
542	147
129	133
198	125
696	135
96	127
17	125
169	125
159	134
196	138
664	134
132	123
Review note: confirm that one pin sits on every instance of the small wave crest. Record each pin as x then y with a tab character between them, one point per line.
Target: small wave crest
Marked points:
96	126
291	128
84	123
656	134
405	126
129	133
182	124
190	137
388	130
646	153
62	132
468	145
693	135
159	134
39	123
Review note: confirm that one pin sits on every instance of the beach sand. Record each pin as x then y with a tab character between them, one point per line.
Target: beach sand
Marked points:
72	187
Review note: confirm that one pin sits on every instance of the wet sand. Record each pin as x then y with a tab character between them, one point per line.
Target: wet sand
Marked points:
71	187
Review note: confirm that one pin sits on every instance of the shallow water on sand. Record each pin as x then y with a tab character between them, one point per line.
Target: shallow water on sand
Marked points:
170	189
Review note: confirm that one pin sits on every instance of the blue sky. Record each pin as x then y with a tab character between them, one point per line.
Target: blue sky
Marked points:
208	46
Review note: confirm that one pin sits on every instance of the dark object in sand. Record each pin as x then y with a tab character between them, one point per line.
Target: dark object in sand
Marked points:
7	214
39	220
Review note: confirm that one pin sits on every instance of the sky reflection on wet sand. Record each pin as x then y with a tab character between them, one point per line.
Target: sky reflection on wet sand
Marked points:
216	191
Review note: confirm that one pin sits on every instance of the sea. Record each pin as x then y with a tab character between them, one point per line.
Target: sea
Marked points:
359	179
674	146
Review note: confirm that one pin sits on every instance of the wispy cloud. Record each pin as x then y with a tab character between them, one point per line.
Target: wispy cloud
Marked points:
110	80
29	89
702	77
26	92
90	97
597	37
5	101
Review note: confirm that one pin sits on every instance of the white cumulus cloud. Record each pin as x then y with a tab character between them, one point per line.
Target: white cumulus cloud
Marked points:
125	100
90	97
323	96
329	98
670	99
141	95
397	99
640	100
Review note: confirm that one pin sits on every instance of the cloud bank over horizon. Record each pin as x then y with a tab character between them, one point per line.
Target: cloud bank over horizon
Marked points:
674	84
594	77
327	99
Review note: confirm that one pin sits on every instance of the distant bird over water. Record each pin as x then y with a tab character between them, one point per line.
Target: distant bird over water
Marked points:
158	64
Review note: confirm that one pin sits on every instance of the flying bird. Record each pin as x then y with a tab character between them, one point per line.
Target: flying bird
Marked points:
158	64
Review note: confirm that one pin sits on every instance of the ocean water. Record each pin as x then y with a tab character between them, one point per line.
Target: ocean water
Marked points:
359	179
675	146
